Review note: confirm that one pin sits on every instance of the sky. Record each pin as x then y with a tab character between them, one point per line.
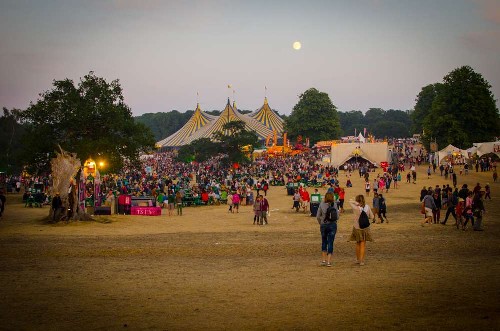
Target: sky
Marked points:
172	54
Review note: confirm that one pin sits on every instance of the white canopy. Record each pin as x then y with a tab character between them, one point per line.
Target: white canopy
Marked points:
450	150
372	152
487	147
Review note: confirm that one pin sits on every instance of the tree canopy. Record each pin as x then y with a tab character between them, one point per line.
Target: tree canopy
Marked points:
424	105
314	116
229	141
10	136
463	111
377	121
90	119
163	125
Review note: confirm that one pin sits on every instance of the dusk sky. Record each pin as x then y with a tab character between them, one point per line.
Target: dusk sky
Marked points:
363	53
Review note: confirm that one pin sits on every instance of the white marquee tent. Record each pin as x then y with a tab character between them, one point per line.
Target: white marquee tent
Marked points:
371	152
451	150
486	148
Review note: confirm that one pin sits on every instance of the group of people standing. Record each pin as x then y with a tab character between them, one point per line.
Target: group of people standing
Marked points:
327	217
261	210
464	205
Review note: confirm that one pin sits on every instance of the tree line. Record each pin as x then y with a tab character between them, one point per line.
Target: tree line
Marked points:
92	119
377	121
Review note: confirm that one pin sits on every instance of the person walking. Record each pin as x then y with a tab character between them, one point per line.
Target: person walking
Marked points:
452	202
375	185
256	210
367	187
341	199
230	202
375	207
178	202
429	206
478	211
264	209
236	202
296	201
436	213
171	203
360	236
382	209
327	217
487	191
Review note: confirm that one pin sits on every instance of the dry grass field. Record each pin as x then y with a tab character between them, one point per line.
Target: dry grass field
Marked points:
212	270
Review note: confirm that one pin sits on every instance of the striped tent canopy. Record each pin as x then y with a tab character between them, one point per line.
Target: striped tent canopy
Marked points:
268	118
196	123
229	114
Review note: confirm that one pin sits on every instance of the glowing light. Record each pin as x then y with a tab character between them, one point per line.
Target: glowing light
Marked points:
297	45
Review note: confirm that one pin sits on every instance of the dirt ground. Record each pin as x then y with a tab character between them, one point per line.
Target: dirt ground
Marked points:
212	270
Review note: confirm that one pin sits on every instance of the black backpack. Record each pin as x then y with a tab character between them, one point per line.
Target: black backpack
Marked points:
364	221
331	214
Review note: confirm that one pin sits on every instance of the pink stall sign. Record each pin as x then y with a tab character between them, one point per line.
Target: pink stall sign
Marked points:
146	211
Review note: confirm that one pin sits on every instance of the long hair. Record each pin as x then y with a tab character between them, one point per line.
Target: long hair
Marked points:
329	198
361	200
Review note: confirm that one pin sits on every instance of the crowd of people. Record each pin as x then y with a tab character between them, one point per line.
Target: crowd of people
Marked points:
462	204
214	182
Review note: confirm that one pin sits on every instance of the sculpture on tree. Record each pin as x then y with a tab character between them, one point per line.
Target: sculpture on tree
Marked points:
65	166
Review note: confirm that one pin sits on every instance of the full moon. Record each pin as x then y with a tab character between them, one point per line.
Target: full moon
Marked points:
297	45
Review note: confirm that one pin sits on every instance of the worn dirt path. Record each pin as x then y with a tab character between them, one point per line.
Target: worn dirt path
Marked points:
216	271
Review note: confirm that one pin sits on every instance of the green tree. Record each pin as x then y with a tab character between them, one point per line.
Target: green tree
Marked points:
163	125
423	105
349	121
374	115
90	119
233	138
314	117
199	150
11	132
391	129
463	112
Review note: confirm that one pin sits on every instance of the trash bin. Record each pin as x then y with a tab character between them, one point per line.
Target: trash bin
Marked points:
314	204
313	207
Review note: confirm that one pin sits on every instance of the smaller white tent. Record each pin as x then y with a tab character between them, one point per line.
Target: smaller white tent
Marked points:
488	147
371	152
451	150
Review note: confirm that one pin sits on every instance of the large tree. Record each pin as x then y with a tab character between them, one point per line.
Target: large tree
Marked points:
233	138
10	136
351	122
198	150
163	125
314	117
463	112
423	105
90	119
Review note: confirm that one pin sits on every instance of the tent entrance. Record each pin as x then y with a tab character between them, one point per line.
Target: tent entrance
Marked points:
353	160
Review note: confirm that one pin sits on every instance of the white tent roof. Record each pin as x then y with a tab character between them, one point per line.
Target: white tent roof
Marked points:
361	138
450	149
372	152
487	147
